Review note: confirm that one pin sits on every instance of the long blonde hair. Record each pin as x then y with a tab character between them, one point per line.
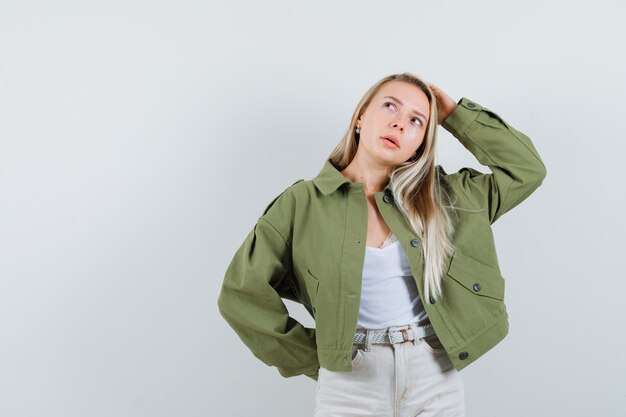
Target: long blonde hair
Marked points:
415	186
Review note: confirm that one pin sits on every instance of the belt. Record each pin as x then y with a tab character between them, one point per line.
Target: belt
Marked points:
396	336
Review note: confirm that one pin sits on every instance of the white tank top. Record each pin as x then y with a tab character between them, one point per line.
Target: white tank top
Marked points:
389	296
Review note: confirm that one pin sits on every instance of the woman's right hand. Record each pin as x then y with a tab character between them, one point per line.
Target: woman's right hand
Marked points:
445	104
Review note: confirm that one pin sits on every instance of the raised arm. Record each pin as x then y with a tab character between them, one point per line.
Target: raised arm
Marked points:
517	169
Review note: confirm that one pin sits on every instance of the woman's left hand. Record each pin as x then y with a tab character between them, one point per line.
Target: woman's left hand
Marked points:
446	104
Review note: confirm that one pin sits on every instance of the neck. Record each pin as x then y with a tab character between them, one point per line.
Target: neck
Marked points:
373	176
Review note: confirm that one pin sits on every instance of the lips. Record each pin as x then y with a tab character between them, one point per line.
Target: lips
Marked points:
392	139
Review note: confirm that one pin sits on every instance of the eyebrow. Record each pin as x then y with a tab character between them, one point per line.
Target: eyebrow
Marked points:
398	100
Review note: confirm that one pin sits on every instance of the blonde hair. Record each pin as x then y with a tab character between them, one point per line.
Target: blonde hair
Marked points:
415	186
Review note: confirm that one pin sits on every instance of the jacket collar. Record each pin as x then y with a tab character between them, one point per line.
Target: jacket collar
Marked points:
329	179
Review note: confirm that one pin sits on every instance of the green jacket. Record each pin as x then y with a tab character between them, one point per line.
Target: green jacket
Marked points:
309	246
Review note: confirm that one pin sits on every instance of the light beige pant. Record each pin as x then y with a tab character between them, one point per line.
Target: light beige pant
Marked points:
414	378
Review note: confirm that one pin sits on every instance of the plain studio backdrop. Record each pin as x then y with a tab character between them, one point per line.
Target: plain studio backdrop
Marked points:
141	141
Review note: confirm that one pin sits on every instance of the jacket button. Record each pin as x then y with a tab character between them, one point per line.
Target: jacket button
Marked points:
463	355
415	242
432	300
387	198
476	287
471	104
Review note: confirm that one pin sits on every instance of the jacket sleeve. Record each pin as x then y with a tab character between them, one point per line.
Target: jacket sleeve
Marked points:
250	301
516	167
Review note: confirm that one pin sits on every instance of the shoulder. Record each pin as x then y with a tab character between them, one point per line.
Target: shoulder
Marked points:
299	193
443	179
451	184
452	178
283	206
289	204
284	196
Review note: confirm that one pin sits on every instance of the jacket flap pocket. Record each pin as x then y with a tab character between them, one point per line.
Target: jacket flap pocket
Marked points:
478	278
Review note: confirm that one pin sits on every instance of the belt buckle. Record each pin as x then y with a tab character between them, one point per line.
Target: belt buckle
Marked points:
405	335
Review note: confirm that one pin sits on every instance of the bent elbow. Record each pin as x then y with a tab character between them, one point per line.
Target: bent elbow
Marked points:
223	304
540	175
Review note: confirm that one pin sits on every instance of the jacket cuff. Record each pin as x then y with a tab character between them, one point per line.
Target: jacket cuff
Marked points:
462	117
310	371
313	376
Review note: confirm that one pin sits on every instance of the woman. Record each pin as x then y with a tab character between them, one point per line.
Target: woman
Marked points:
392	256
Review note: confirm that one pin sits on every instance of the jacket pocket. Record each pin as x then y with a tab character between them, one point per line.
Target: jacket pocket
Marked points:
476	277
473	297
311	285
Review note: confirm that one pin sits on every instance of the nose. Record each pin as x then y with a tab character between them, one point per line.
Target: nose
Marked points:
397	124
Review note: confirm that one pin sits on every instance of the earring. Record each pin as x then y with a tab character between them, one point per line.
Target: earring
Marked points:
358	130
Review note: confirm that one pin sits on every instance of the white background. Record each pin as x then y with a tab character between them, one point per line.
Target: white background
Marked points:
140	141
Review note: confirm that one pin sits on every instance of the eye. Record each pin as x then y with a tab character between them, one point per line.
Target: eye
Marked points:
388	102
415	118
419	120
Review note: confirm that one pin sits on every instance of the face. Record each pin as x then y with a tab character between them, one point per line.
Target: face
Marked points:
398	109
